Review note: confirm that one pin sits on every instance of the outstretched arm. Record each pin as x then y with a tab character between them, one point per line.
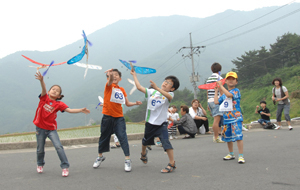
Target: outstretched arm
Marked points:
129	104
110	76
83	110
164	93
40	77
137	83
256	110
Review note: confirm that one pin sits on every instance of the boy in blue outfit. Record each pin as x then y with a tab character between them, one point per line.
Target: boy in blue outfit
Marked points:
158	101
264	113
230	104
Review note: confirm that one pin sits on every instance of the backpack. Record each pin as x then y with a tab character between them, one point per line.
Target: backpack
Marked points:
270	125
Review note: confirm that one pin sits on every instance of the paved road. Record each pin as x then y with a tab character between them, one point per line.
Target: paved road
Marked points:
272	162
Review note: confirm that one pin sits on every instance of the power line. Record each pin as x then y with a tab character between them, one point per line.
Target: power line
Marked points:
253	29
245	23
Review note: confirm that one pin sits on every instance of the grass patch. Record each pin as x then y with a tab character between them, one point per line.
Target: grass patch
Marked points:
78	132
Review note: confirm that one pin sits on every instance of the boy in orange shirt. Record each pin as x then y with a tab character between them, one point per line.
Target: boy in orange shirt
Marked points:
113	120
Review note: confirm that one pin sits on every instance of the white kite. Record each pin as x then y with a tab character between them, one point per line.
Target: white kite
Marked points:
134	86
97	67
101	101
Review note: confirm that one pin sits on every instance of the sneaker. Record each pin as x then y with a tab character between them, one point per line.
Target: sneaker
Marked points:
244	129
241	160
175	137
290	127
98	161
127	165
39	169
65	172
278	127
218	140
158	144
229	157
171	137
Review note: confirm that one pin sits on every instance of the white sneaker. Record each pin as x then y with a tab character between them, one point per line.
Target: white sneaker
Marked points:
175	137
39	169
290	127
65	172
171	137
127	165
244	129
278	127
98	161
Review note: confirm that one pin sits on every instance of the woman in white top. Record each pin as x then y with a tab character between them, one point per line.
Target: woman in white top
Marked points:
281	96
198	113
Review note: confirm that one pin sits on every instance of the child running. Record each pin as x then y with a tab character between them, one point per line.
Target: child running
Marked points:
232	129
46	125
113	121
158	101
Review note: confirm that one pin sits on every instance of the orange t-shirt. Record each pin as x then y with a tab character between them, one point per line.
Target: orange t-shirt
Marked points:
111	108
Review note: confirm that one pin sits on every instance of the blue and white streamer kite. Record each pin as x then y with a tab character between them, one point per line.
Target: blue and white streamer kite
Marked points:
140	70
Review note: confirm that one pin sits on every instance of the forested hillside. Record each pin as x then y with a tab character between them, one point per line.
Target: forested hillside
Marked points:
256	69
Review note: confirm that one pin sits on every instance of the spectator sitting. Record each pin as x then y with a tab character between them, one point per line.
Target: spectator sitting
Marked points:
198	113
186	123
264	113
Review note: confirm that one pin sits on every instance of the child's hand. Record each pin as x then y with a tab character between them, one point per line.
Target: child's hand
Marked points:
219	83
39	76
153	85
216	89
109	72
132	72
138	102
86	111
257	107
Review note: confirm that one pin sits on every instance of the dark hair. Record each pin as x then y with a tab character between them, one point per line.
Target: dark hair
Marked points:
61	96
116	70
263	102
185	109
277	79
174	80
174	106
195	101
216	67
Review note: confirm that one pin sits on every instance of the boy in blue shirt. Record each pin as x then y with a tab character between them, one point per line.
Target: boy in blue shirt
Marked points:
230	104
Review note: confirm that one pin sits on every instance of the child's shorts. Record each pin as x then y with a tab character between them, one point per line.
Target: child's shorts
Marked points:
232	132
161	131
214	109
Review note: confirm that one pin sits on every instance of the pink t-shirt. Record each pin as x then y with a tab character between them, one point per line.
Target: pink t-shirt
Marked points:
45	114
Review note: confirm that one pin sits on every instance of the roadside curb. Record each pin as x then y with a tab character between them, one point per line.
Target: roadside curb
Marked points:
91	140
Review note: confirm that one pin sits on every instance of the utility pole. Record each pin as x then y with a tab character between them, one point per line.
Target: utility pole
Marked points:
194	50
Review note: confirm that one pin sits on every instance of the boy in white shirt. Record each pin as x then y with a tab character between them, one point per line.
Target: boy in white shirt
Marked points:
158	101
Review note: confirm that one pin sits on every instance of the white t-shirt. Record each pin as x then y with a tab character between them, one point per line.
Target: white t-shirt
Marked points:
157	107
278	94
198	113
174	116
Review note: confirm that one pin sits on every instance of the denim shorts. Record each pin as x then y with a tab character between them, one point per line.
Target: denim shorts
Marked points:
214	109
161	131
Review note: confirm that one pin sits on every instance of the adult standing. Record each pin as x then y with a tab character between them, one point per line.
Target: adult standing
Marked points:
281	96
198	113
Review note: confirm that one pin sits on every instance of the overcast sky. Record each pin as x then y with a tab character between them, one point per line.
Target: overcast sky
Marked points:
37	25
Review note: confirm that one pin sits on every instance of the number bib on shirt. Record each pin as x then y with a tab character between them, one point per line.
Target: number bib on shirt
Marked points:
117	96
226	105
155	102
